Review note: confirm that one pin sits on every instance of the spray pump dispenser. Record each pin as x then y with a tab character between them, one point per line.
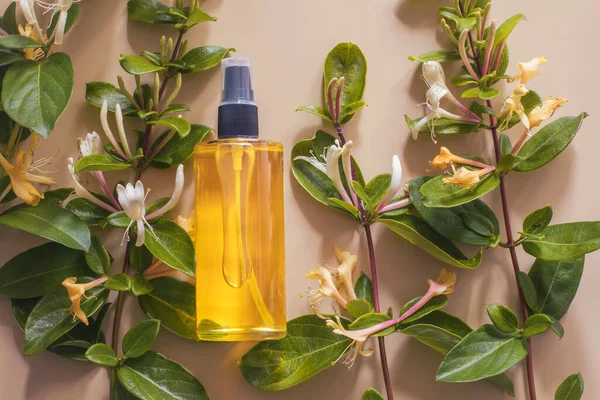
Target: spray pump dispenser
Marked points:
239	235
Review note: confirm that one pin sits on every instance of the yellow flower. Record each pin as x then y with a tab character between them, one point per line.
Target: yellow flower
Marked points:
358	337
444	284
343	272
76	291
442	160
28	31
21	176
512	105
528	70
465	178
188	224
545	111
327	288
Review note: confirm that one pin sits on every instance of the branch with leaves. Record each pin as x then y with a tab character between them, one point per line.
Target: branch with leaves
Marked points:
59	290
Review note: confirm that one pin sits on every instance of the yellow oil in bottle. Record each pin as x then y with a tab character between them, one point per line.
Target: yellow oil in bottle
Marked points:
240	249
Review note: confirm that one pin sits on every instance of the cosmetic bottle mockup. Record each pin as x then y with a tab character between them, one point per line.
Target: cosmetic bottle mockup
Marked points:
239	234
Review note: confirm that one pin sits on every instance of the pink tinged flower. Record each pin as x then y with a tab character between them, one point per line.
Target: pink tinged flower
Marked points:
327	288
177	191
333	170
358	337
347	166
108	132
81	192
132	200
395	183
76	291
444	284
462	50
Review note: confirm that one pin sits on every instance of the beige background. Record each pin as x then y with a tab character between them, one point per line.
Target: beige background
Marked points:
289	41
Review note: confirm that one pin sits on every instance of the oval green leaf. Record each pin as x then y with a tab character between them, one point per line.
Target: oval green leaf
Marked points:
565	241
138	340
347	60
119	282
136	65
507	27
182	127
35	95
97	92
419	233
538	220
503	318
99	162
438	194
97	258
173	246
102	354
309	347
50	222
537	324
570	389
371	394
18	42
178	150
204	58
437	55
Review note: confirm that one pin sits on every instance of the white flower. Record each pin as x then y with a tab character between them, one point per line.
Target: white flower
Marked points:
90	145
62	8
132	200
82	192
434	95
106	127
395	183
327	288
433	72
358	337
28	9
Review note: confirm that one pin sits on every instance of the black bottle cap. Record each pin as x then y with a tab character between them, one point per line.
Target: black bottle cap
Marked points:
238	114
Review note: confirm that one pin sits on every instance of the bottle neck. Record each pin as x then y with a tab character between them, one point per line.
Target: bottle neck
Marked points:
238	120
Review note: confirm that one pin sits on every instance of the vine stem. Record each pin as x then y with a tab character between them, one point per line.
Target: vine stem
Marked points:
140	168
373	265
506	216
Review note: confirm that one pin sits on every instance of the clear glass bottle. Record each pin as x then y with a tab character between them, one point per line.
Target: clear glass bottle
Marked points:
240	247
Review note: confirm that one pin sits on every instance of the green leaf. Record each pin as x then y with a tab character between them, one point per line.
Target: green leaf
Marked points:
149	11
18	42
571	388
503	318
182	127
140	285
363	287
178	150
505	144
442	331
556	283
97	258
99	162
371	394
537	324
545	145
87	211
350	109
102	354
35	95
472	222
432	305
437	194
197	16
173	302
437	55
153	376
97	92
173	246
557	327
51	318
136	65
140	258
315	110
483	353
463	80
347	60
419	233
309	347
175	108
538	220
40	270
528	290
564	241
358	307
138	340
8	21
119	282
121	393
359	190
371	319
50	222
443	126
507	27
378	187
204	58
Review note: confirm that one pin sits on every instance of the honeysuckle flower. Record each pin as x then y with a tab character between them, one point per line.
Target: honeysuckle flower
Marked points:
28	9
62	8
466	178
188	224
513	105
343	272
334	98
177	191
541	113
462	50
446	158
528	70
76	291
108	132
90	144
444	284
22	173
359	337
31	53
81	192
327	288
394	189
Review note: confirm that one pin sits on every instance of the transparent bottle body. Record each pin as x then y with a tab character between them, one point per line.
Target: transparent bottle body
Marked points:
239	237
